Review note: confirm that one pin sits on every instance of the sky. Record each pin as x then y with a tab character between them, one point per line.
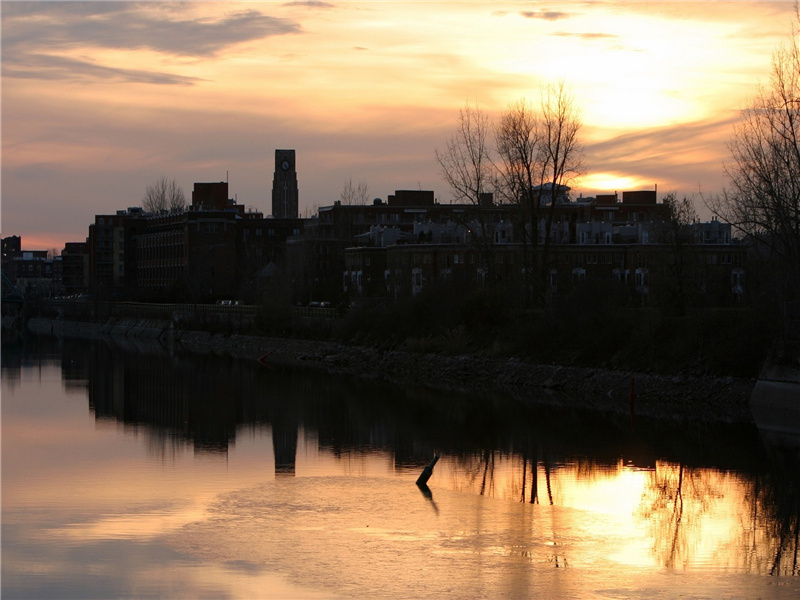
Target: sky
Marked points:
100	99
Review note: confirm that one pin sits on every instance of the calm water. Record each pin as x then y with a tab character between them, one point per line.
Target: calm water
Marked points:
131	473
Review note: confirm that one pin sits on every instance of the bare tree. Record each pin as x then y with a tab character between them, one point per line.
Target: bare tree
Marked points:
519	139
466	160
540	154
678	269
164	195
561	156
467	167
357	194
763	201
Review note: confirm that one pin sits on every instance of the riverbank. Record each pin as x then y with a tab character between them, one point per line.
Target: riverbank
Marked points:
691	399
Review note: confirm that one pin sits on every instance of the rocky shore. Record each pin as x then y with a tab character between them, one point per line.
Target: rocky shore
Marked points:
676	398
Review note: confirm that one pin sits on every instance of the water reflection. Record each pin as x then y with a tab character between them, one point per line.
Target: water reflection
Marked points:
705	498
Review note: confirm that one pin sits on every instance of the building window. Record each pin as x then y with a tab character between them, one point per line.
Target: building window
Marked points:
641	277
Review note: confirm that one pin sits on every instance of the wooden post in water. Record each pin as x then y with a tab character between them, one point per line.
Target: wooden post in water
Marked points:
427	472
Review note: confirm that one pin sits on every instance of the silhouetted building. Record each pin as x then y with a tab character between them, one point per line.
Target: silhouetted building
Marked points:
75	268
12	246
34	274
285	204
210	252
262	258
112	248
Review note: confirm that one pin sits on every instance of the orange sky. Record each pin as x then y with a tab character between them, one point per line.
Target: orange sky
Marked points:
99	99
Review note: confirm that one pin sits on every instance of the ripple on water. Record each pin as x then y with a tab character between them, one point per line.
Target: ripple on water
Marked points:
369	537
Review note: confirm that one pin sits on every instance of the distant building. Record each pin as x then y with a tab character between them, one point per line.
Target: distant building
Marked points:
34	274
215	250
75	268
399	247
285	196
592	239
111	245
12	246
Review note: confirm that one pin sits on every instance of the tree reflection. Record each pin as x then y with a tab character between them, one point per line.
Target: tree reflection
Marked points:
762	514
773	535
674	503
490	448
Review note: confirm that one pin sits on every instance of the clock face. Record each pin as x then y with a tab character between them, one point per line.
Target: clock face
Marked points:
285	165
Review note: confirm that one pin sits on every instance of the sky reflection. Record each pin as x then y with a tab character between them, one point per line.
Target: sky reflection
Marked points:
91	483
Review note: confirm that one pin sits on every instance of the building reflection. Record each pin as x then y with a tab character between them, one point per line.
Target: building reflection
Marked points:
677	479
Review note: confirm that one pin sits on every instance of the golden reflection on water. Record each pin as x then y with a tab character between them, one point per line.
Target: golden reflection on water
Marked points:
348	519
674	517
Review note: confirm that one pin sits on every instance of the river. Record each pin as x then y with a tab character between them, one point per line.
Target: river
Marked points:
134	472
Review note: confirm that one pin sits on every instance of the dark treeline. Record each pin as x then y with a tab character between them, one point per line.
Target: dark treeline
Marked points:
591	326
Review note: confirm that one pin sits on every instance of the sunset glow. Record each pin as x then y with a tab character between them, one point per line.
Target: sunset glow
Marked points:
610	182
99	99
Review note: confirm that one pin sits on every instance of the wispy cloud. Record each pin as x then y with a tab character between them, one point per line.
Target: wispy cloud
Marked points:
546	15
311	4
41	40
41	66
134	27
684	156
587	36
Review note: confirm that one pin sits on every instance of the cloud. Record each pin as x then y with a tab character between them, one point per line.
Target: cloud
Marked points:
42	66
311	4
587	36
546	15
38	37
682	156
672	140
59	26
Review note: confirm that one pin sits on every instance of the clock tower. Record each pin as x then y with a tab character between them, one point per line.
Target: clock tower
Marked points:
284	186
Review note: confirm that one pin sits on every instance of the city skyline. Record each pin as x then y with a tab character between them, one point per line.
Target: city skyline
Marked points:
101	99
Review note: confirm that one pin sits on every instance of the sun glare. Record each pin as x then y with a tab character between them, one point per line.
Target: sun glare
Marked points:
610	182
